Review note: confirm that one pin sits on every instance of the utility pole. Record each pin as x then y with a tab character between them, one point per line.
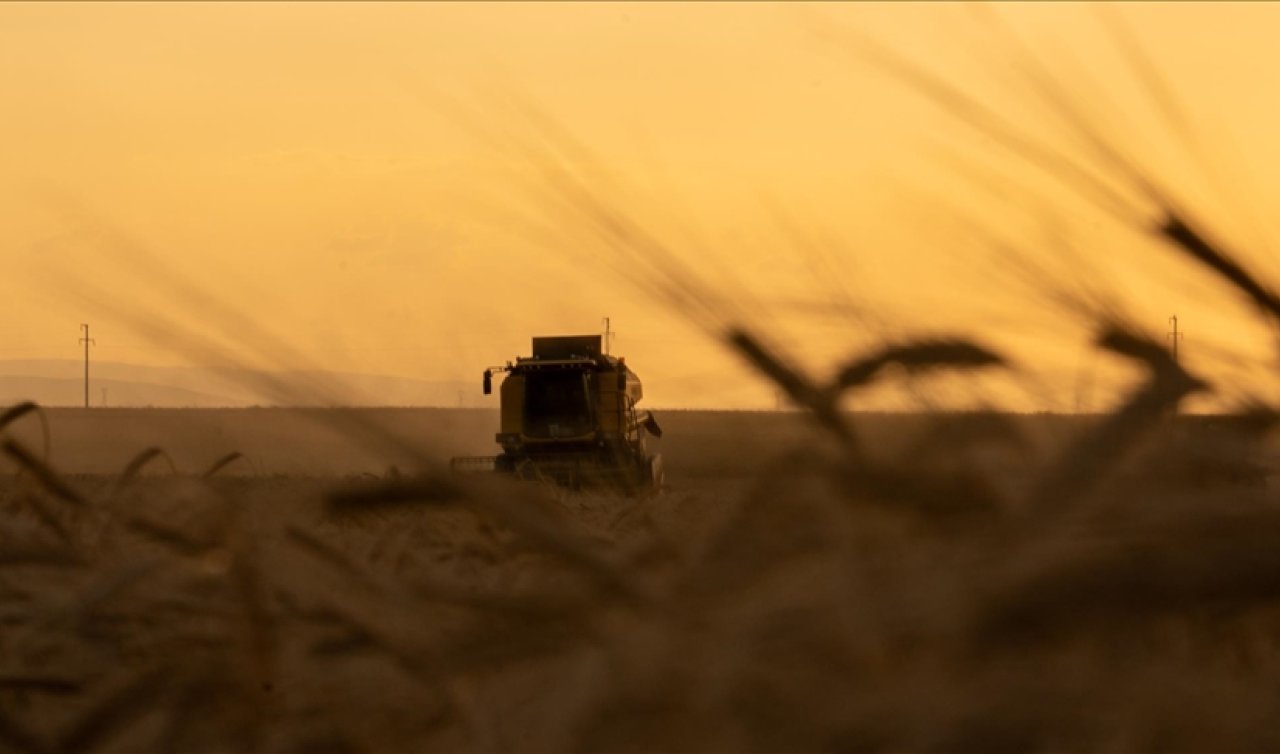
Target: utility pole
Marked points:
104	397
608	336
1174	336
87	342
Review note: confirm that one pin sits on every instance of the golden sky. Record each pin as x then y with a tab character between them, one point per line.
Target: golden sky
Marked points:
326	171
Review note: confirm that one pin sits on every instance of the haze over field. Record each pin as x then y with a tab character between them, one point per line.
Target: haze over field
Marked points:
336	174
55	382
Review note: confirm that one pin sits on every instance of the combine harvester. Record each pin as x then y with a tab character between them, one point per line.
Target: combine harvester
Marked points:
569	416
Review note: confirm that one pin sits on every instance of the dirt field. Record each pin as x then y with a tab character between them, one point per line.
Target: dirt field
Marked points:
770	600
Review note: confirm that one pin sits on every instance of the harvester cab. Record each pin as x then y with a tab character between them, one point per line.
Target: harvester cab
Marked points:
568	415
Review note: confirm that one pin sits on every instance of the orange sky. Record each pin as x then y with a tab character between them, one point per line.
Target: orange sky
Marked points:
307	166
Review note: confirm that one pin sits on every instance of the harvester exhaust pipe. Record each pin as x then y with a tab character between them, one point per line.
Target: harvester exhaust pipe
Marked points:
488	382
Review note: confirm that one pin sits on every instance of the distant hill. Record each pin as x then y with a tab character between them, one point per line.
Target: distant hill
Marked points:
62	392
60	382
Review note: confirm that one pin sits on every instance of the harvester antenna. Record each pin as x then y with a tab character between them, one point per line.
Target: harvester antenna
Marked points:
87	341
1174	336
608	336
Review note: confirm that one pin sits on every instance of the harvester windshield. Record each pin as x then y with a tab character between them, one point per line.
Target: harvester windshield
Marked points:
558	404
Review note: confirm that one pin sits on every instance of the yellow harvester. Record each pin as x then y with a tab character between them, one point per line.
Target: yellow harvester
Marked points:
569	415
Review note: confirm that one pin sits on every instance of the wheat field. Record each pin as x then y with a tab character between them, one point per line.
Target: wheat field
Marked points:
773	598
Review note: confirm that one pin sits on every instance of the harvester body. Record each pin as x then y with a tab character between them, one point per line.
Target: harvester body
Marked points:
568	415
